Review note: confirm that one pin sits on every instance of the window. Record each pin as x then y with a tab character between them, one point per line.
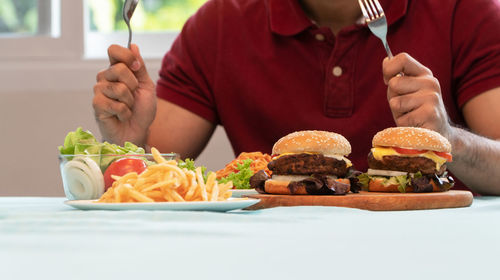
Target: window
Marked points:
31	28
18	17
62	44
21	18
155	24
85	28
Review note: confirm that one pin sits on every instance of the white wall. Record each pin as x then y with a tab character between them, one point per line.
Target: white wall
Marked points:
40	102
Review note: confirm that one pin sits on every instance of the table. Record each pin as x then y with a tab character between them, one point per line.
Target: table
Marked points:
41	238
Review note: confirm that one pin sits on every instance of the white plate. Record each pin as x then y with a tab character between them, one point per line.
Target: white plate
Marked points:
239	193
215	206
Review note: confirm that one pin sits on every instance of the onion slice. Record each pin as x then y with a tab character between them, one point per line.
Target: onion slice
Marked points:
289	177
389	173
295	177
98	177
82	179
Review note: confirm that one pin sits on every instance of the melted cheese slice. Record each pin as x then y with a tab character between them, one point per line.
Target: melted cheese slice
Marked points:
380	152
337	157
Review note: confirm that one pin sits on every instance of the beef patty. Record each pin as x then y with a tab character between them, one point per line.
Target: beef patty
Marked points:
307	164
405	164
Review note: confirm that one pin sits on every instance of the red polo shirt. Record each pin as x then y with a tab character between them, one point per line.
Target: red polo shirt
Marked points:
262	69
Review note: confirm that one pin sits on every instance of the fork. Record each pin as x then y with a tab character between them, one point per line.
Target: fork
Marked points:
128	11
375	18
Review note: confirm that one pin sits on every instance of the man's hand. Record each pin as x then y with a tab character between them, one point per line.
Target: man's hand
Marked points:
415	96
124	97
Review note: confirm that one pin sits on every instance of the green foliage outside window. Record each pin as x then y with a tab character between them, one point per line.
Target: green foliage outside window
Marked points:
21	16
150	15
18	16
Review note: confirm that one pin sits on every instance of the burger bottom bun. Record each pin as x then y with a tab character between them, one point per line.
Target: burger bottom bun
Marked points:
281	187
376	185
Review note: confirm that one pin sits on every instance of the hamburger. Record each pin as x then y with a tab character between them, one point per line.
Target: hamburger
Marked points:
307	162
408	159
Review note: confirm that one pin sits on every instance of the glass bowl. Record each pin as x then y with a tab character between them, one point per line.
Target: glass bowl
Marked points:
85	176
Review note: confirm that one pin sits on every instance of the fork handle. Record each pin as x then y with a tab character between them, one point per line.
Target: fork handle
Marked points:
389	54
129	35
387	49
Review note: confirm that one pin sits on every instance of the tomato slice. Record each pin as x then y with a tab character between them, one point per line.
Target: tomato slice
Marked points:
445	155
409	151
121	167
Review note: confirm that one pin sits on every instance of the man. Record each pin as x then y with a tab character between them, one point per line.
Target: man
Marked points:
265	68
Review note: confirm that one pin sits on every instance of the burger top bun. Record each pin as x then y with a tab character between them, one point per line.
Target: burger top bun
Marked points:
313	141
412	138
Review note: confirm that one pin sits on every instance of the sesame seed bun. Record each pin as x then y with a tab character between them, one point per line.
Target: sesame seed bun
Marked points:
282	187
313	141
412	138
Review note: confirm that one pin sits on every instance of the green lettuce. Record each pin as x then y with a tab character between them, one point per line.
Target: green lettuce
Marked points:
189	165
240	179
80	142
364	179
76	142
402	181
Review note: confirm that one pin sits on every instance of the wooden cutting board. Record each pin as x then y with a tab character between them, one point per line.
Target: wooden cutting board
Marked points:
370	200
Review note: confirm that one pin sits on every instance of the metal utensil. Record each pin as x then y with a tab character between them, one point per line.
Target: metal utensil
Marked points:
375	18
128	11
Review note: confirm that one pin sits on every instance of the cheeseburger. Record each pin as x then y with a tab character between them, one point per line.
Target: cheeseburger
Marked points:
408	159
307	162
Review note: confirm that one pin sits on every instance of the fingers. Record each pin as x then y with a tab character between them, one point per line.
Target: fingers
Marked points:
140	69
130	57
119	73
119	54
403	63
116	91
113	93
106	109
422	108
405	104
118	82
401	85
426	116
414	98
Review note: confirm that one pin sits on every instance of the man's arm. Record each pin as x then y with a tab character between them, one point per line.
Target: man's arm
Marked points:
415	100
176	129
476	159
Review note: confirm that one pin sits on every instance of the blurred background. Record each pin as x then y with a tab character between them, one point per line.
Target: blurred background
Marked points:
50	53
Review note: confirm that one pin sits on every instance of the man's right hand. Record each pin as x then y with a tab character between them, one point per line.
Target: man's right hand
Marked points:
124	97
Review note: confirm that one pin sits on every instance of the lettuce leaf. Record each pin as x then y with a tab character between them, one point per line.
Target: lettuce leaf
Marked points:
80	142
189	165
402	180
240	179
77	141
364	179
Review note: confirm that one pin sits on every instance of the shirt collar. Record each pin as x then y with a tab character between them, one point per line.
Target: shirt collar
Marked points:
287	18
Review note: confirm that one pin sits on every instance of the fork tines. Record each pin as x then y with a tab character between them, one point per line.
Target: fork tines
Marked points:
371	9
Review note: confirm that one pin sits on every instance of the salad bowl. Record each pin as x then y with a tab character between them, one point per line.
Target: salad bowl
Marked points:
87	176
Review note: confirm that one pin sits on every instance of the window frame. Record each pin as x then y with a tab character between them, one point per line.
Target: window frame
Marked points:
51	41
44	64
74	39
152	44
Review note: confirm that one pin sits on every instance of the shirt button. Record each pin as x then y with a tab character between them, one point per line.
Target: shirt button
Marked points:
320	37
337	71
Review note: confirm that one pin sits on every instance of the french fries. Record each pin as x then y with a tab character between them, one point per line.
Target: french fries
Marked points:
166	182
